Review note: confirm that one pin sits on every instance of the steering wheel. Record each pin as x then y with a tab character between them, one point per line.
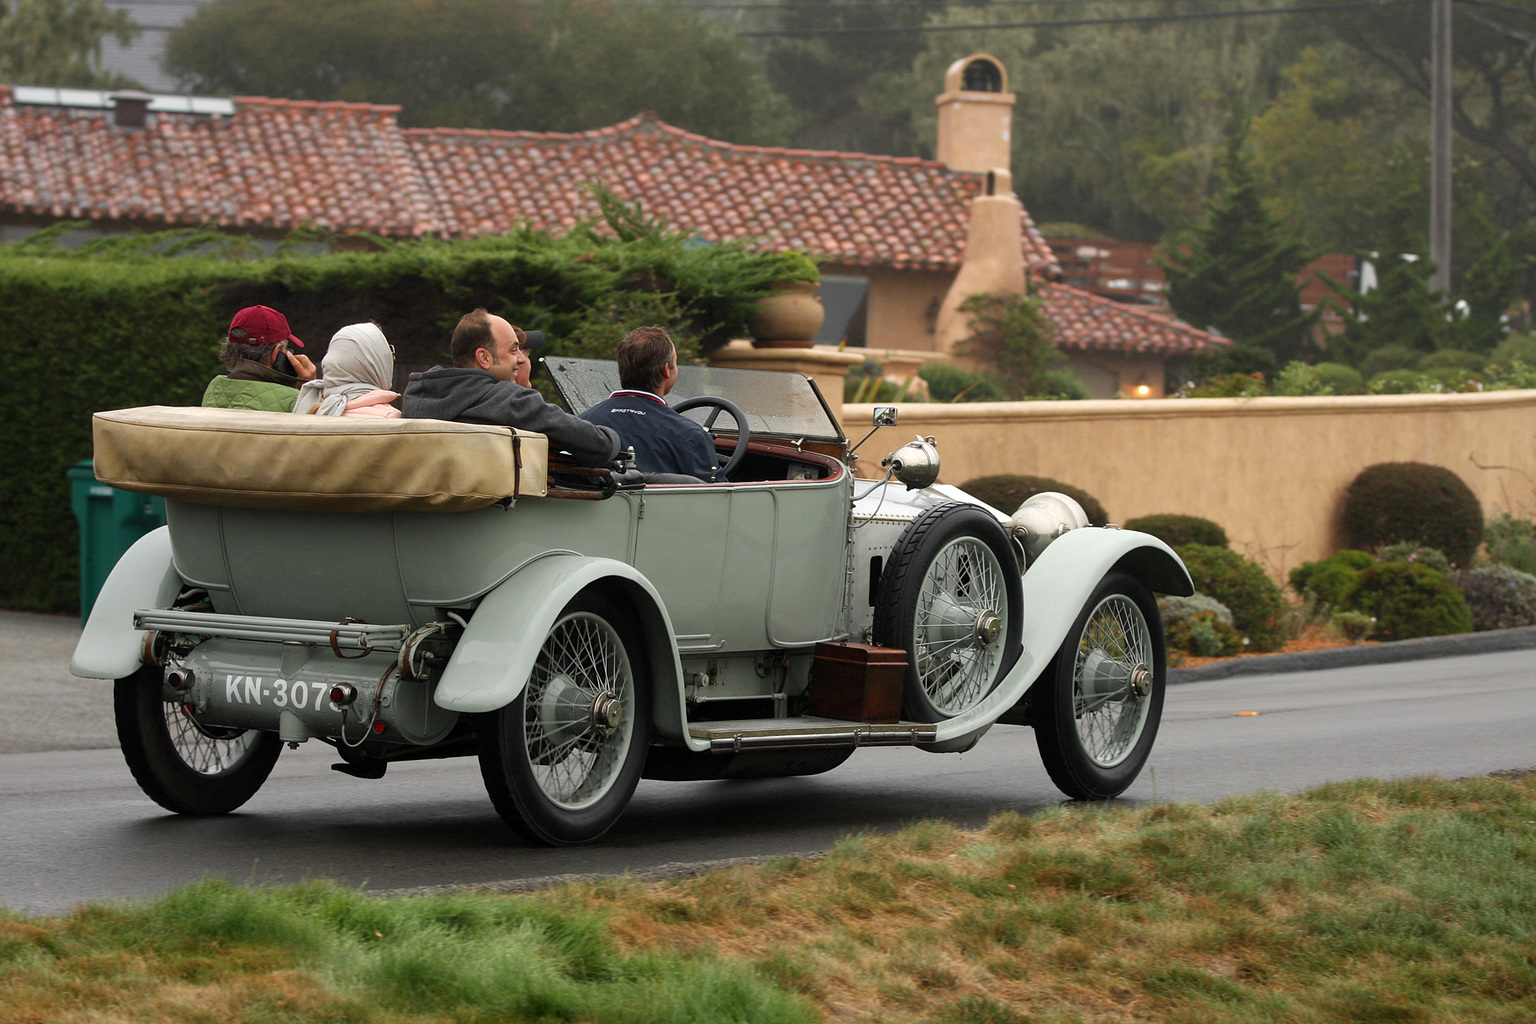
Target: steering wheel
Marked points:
743	432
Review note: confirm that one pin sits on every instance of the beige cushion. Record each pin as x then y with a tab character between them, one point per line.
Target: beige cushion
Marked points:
283	460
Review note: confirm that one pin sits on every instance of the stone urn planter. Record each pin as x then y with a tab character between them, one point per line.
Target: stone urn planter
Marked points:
788	318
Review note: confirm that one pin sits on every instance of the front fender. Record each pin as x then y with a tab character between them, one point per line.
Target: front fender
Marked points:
493	660
145	577
1056	587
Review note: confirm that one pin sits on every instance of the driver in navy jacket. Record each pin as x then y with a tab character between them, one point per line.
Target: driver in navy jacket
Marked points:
665	441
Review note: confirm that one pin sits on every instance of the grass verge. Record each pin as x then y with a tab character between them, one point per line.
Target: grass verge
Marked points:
1367	901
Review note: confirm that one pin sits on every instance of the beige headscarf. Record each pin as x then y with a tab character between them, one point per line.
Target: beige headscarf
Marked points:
357	363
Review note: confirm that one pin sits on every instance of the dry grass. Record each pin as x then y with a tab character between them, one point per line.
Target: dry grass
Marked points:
1406	901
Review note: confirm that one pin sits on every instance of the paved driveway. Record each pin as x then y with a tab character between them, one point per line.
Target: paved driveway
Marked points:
42	706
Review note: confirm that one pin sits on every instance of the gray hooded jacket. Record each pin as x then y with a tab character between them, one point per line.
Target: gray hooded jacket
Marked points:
474	396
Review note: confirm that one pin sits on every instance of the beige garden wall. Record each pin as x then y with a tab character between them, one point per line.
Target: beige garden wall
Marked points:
1271	471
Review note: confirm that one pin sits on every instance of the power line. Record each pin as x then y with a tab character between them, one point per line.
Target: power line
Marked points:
1144	19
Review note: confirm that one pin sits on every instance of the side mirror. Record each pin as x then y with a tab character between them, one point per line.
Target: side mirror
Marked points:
885	416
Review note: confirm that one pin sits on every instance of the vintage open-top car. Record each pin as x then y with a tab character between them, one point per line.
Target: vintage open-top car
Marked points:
404	589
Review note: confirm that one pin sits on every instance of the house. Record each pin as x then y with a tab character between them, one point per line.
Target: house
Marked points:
894	233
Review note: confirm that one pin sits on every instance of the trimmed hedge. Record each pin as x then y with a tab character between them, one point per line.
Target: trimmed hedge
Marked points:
1409	600
1255	602
137	321
1179	530
1006	493
1428	505
1327	580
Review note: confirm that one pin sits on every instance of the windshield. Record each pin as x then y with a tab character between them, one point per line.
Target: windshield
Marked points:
777	404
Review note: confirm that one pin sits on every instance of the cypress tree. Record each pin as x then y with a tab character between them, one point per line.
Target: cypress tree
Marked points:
1238	274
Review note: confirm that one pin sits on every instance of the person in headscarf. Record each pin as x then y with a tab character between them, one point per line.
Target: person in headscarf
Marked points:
355	376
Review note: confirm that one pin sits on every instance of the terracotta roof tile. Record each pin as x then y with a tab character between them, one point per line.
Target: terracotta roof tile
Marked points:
1088	322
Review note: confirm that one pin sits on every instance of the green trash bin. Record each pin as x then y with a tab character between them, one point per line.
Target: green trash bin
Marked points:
110	521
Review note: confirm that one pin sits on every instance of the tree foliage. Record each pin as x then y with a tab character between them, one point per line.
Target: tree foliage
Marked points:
58	42
537	65
1238	272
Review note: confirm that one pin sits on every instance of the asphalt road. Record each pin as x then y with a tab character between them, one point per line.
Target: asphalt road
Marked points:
73	827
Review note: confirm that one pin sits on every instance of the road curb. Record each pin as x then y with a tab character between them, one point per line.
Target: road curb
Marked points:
1517	639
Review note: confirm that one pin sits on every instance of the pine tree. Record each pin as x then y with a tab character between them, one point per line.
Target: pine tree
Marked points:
1238	274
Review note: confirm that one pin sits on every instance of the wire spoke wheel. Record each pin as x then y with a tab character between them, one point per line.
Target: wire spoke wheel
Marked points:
581	683
950	597
206	750
961	604
182	765
1108	704
1097	712
561	761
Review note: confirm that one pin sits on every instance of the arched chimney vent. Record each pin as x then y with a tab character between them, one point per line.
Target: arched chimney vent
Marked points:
982	75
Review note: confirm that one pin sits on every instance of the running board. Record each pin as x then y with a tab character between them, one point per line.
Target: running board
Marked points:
790	733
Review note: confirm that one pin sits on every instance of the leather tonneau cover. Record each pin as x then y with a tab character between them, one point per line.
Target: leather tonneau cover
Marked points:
323	463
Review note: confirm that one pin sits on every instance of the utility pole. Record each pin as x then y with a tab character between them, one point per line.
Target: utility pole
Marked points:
1440	144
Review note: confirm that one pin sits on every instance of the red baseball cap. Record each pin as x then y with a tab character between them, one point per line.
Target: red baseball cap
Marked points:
261	325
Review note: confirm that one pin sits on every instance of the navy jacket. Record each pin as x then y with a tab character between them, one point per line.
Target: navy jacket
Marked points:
665	441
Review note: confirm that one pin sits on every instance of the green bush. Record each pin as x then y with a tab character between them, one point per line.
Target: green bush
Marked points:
1299	379
949	383
1231	385
1340	378
1498	597
137	321
1515	348
1352	626
1199	625
1060	385
1512	542
1409	600
1472	362
1178	530
1258	611
1326	580
1006	493
1411	501
1401	382
1390	357
1407	551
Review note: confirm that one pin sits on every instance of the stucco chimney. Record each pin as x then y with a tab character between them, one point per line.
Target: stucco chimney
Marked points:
994	257
130	108
975	115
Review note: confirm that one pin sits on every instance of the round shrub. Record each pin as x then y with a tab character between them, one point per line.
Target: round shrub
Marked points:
1340	378
1409	600
1388	358
1178	530
1327	580
1411	501
1257	608
1512	542
1006	493
1199	625
1499	597
1407	551
1401	382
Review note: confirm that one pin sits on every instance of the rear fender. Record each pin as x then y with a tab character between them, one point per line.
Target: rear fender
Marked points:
494	658
145	577
1056	587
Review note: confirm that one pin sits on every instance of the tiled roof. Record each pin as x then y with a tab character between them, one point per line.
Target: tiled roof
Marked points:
274	164
349	167
853	208
1087	322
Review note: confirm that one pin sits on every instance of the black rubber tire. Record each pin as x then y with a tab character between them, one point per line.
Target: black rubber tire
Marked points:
900	590
162	770
1068	761
508	766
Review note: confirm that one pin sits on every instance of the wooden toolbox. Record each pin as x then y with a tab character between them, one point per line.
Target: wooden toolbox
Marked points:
857	682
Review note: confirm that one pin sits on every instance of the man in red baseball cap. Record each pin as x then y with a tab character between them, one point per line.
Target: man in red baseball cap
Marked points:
264	371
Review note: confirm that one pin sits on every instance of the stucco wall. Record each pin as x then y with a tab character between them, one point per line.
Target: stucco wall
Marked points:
1271	471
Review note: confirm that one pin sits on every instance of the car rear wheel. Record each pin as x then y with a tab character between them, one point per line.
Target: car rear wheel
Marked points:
562	760
1098	715
950	597
181	765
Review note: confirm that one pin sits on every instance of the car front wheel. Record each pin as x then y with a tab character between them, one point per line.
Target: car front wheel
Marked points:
1098	714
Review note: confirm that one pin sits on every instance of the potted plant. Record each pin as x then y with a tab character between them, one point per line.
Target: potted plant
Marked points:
790	314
